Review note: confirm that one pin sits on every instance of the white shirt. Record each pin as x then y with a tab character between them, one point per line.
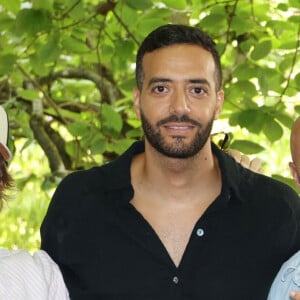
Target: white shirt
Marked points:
30	277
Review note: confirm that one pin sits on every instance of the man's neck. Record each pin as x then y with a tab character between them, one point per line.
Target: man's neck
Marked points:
175	177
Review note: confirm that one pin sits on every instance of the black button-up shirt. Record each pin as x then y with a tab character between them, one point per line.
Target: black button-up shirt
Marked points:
107	250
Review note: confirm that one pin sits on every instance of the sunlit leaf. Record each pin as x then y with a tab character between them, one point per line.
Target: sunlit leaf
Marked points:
213	20
32	21
7	62
294	3
285	119
11	5
111	121
272	130
297	81
98	145
120	146
246	147
78	128
140	5
73	45
50	51
251	119
29	94
297	108
261	50
43	4
177	4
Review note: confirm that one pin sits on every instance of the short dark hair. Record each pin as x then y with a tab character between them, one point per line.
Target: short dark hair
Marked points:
172	34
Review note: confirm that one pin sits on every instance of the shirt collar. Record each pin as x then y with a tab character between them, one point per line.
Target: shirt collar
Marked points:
230	170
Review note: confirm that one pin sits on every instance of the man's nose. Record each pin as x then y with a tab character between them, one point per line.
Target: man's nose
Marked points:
179	104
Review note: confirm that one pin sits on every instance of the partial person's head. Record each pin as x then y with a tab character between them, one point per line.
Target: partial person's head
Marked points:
5	156
179	89
295	152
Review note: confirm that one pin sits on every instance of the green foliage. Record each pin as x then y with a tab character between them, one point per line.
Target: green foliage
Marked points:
71	63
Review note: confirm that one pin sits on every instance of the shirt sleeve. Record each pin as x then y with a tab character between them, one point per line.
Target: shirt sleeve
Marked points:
287	279
60	216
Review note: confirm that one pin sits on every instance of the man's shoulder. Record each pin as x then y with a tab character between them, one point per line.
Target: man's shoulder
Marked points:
111	174
252	185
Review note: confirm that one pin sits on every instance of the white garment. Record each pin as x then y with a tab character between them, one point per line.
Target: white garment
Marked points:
30	277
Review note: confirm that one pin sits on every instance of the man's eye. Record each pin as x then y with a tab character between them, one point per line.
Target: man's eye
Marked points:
198	90
160	89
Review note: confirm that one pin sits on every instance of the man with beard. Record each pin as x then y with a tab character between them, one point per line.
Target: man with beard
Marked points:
173	217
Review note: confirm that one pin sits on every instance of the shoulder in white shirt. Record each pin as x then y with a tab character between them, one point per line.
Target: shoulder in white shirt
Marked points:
30	277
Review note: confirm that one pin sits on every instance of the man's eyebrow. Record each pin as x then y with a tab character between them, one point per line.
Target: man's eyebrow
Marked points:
158	79
163	79
199	80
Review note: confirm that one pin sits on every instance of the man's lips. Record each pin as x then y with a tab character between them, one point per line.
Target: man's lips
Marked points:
180	126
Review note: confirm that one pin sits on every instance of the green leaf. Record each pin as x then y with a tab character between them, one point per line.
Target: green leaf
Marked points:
263	83
120	146
78	128
272	130
43	4
7	62
29	94
294	3
111	121
33	21
261	50
284	119
294	19
246	147
245	71
11	5
49	51
243	89
6	22
38	66
270	101
297	108
124	48
286	63
139	5
98	145
297	81
283	6
71	44
177	4
241	24
252	119
213	20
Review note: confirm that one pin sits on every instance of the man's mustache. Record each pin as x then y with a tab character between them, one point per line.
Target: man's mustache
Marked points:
178	119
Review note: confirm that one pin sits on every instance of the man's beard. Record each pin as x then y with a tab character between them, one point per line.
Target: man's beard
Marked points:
177	149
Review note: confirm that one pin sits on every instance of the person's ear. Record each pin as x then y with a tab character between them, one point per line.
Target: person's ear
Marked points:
219	103
136	102
294	174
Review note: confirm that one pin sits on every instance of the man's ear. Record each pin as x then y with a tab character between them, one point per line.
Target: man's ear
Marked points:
136	102
219	103
294	174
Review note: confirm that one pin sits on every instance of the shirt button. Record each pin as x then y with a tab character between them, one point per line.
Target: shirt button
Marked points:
200	232
175	279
